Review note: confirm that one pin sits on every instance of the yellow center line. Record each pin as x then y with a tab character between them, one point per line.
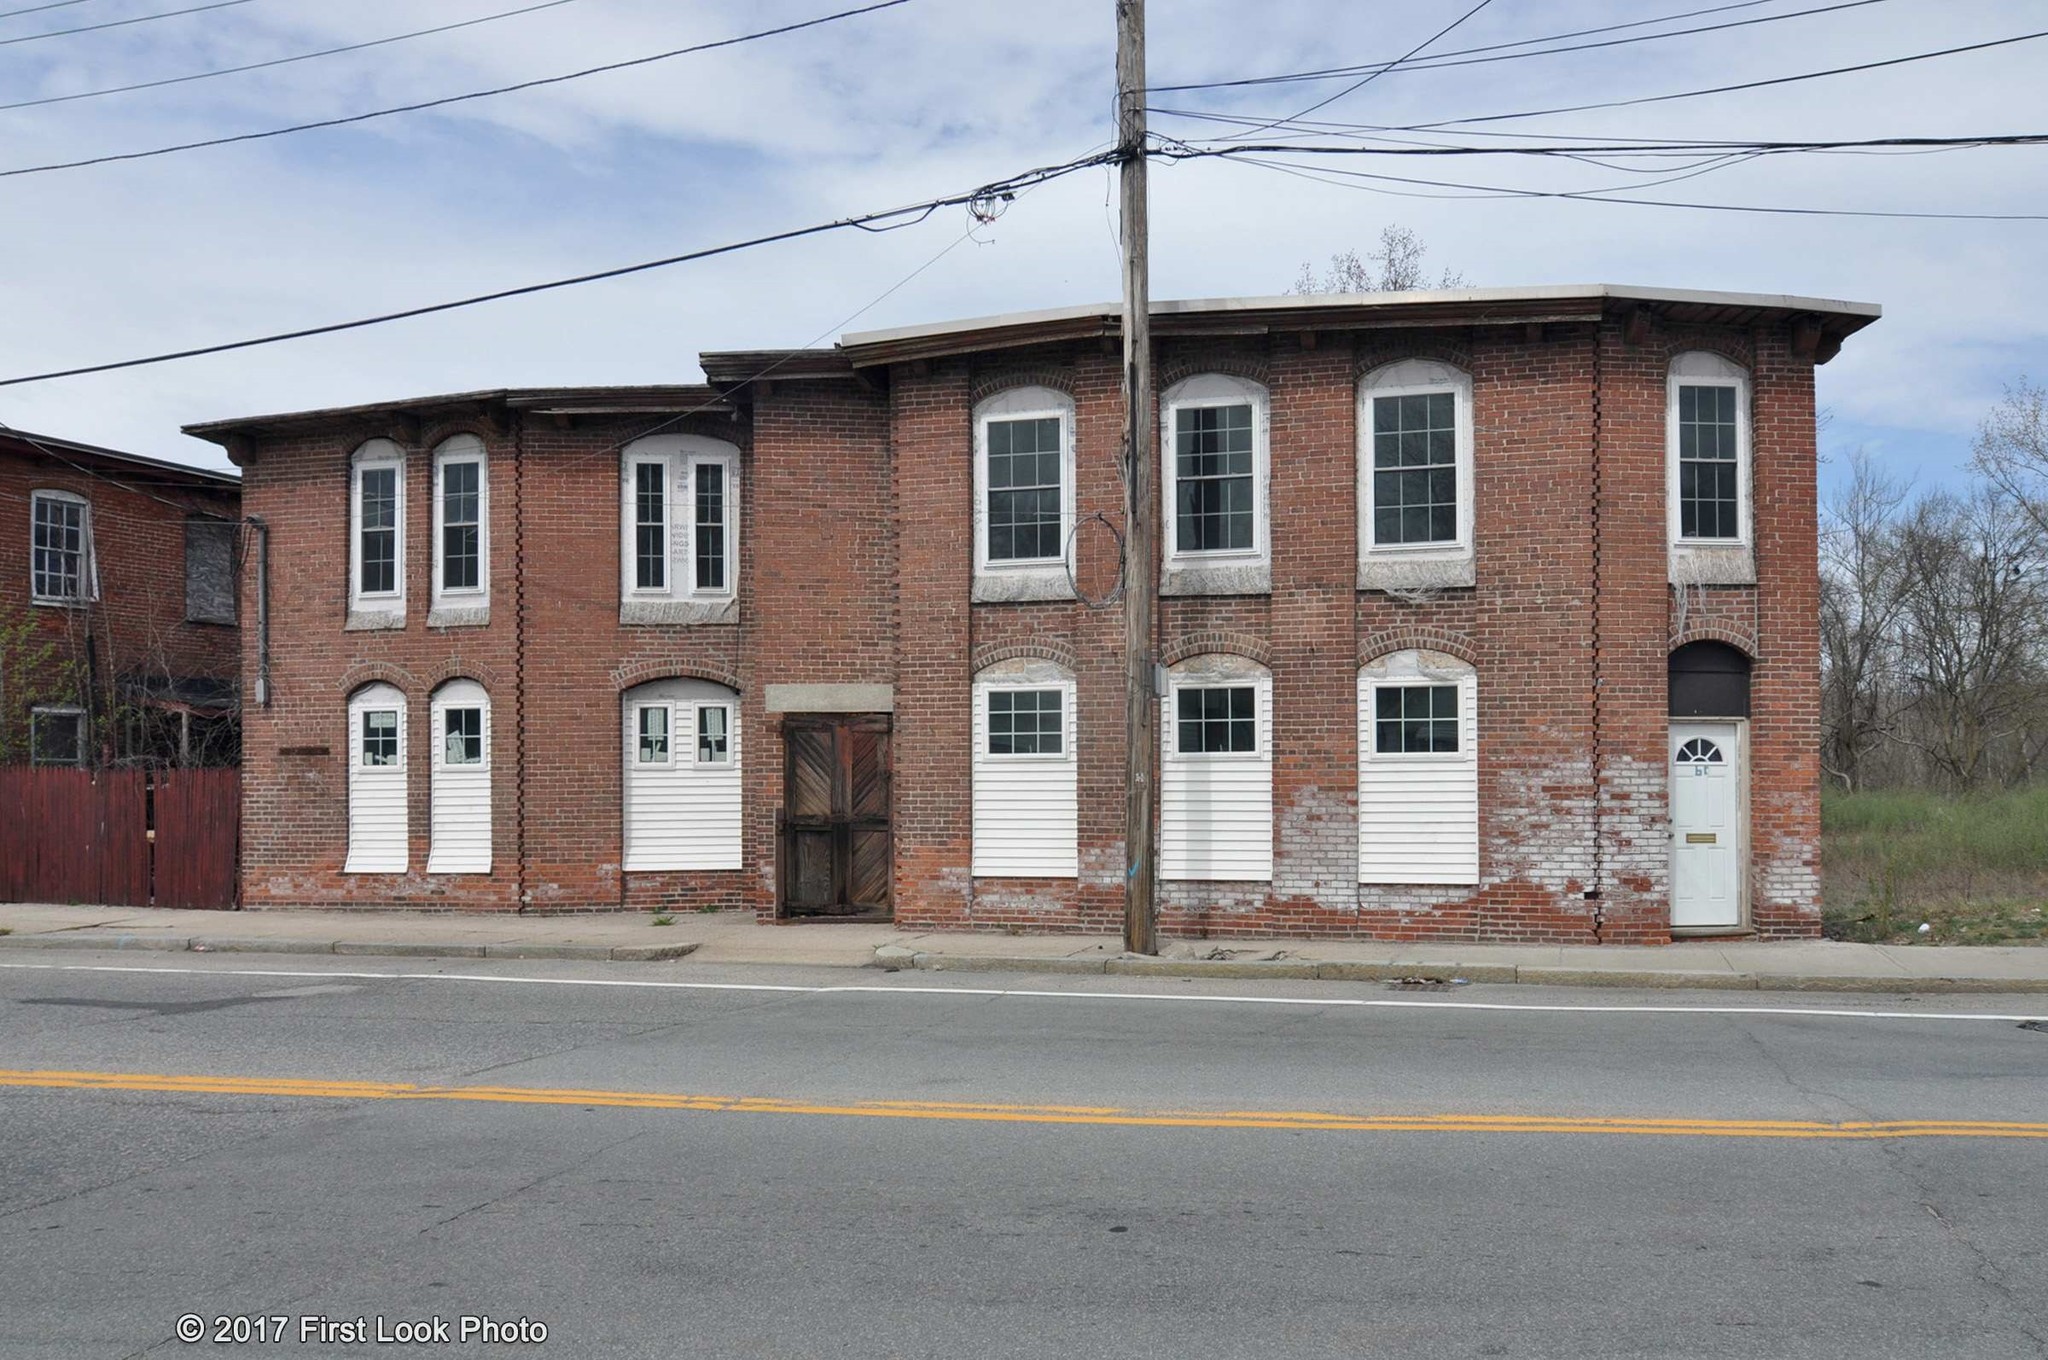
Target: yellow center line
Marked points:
993	1113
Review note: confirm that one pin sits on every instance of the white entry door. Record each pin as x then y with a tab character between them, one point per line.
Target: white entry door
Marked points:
1706	824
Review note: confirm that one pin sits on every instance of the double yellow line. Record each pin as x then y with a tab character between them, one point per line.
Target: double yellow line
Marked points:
1025	1114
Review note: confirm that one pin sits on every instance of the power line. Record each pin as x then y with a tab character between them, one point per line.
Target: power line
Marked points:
276	61
117	23
38	9
1466	56
451	99
981	200
1376	74
1321	174
1728	89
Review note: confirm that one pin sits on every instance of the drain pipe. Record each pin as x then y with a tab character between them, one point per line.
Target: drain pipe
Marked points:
262	609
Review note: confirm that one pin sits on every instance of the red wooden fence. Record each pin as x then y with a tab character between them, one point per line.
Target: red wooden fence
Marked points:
85	836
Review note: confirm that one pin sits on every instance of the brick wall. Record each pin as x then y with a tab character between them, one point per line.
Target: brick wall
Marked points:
857	567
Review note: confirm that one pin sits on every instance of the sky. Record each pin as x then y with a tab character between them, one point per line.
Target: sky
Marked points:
934	97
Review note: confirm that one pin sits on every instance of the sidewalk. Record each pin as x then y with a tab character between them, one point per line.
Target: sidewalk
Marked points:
735	937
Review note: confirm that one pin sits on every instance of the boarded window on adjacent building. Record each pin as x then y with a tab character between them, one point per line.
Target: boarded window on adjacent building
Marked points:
209	570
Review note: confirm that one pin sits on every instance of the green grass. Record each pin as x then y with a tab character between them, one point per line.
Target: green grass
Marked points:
1974	869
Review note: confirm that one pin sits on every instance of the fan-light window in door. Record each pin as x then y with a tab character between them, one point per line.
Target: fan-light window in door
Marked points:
1699	751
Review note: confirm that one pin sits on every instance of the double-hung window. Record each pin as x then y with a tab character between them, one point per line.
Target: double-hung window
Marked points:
56	735
1708	452
679	529
1415	493
462	565
714	734
652	739
61	569
1024	494
377	534
462	736
1214	456
380	737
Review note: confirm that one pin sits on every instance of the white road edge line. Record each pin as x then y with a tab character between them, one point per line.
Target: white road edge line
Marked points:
1373	1003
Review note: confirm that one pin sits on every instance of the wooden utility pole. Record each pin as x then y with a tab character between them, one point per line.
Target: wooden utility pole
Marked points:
1141	507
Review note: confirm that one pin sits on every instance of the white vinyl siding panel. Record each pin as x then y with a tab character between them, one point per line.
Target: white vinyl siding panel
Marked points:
1418	815
1026	808
376	793
460	819
1216	811
681	815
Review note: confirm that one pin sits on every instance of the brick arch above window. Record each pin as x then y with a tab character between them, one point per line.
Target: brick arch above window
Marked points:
1736	636
1217	641
1244	366
1720	344
456	668
639	672
369	672
1002	380
1448	641
1435	349
434	436
995	653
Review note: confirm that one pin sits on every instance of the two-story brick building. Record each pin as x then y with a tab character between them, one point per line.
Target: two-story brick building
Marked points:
118	631
1486	614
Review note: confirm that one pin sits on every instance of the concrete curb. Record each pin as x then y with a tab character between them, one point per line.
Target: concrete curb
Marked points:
896	957
425	949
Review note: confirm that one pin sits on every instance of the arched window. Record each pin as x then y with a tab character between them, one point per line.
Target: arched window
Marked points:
1216	771
1415	461
1708	450
679	518
377	825
1026	814
1418	769
682	758
460	819
1023	493
462	530
1709	679
1213	427
376	594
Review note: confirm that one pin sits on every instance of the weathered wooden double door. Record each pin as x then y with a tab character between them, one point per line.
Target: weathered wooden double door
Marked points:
835	848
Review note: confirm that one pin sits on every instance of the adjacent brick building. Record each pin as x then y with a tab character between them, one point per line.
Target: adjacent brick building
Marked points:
1487	614
118	639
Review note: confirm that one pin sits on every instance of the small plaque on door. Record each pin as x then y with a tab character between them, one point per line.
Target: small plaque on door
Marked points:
1700	838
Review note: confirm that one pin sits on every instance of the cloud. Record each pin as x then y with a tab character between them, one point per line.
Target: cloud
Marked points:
926	98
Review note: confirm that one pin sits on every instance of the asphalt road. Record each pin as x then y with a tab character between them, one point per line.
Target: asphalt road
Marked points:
931	1167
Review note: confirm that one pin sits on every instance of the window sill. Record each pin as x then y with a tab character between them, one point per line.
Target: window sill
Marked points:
459	616
374	620
1403	571
1019	586
684	613
1216	578
54	602
1712	564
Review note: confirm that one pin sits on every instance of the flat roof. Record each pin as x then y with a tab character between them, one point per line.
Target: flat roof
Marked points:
227	481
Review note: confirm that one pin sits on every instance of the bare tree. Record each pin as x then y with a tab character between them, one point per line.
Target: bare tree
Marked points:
1395	267
1863	594
2012	449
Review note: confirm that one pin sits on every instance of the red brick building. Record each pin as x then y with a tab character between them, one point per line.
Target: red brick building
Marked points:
1488	614
118	638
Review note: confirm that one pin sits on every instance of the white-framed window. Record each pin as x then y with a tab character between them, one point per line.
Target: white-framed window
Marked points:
1214	428
1024	486
654	734
1418	770
459	823
714	734
1415	492
378	826
679	518
1026	813
683	765
56	735
462	524
377	529
1216	771
1707	421
61	566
